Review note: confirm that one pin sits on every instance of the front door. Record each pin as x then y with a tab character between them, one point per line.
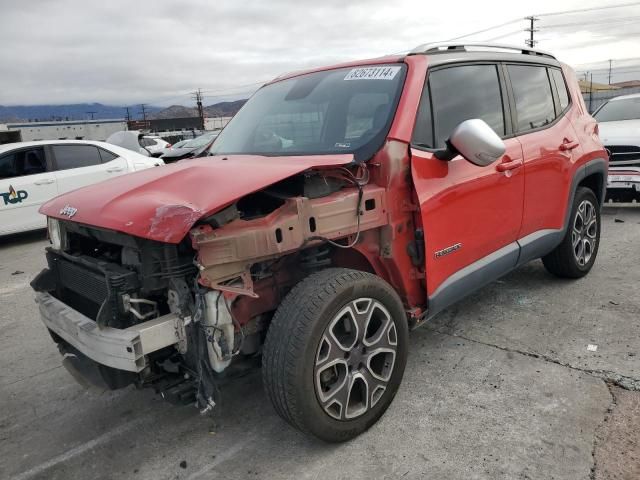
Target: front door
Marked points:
471	215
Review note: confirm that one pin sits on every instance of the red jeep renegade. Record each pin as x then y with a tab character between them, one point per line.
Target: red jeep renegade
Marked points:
340	208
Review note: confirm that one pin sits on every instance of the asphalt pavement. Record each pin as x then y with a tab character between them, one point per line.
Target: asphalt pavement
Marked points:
532	377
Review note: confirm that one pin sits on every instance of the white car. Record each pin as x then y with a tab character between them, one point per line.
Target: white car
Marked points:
619	125
154	145
32	173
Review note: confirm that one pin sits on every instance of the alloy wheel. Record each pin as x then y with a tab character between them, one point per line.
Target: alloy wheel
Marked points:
355	359
584	232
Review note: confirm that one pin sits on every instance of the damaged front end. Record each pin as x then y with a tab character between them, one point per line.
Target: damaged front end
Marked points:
184	317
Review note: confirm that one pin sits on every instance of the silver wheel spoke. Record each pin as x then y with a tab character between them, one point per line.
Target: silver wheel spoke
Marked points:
592	229
584	232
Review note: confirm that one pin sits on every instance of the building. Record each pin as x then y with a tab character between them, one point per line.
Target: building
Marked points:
161	125
216	123
627	84
587	86
67	130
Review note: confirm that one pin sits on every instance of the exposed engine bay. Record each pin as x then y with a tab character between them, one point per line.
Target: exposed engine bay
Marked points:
188	316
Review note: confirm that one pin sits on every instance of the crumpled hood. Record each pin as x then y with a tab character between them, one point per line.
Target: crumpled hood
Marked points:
163	203
623	132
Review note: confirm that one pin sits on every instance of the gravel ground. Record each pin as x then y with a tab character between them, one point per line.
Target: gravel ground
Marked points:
501	386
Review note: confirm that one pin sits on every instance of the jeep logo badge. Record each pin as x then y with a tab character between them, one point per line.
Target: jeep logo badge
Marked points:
12	197
68	211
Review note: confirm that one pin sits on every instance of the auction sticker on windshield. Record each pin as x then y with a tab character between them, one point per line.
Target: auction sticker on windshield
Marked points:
372	73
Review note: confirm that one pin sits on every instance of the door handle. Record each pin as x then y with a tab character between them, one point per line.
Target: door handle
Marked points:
44	181
567	145
115	169
510	165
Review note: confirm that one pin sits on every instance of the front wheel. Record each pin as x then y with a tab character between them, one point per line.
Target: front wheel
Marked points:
335	353
575	256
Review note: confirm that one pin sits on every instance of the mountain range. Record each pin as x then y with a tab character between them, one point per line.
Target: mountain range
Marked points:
98	111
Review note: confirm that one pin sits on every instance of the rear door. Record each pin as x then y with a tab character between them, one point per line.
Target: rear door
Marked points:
550	149
26	182
81	165
471	215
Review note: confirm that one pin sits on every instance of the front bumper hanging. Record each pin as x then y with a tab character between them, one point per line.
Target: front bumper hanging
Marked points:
124	349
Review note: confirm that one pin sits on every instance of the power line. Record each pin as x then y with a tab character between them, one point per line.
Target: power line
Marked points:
618	21
591	9
510	22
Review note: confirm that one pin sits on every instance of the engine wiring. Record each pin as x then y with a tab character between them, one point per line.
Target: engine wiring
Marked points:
358	182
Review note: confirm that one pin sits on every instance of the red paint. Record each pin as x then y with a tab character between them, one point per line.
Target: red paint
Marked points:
163	203
479	207
482	208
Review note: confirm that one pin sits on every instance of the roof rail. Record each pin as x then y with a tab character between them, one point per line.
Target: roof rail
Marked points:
464	47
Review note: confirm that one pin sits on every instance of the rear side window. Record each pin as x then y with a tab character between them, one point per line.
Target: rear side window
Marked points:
532	92
75	156
457	94
107	156
23	162
561	87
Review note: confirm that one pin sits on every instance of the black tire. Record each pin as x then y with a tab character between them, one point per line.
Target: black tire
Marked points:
565	261
300	335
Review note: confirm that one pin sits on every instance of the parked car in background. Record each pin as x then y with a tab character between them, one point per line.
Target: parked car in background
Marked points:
190	148
175	145
32	173
619	124
154	145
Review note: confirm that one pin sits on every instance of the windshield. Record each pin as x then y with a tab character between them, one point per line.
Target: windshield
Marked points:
347	110
624	109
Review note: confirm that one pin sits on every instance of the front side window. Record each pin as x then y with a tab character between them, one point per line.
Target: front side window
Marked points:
457	94
532	92
347	110
622	109
75	156
23	162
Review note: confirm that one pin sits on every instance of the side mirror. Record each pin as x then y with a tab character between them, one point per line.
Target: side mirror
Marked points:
475	141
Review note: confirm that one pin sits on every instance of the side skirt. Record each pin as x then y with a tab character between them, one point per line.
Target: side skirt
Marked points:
492	267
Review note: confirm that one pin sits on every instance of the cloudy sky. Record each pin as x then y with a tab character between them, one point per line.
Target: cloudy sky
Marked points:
125	52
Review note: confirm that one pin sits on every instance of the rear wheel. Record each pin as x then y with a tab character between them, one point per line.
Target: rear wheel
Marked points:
575	256
335	353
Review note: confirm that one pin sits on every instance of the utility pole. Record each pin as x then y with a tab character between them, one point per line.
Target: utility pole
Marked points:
128	114
198	98
610	61
591	94
143	111
530	42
